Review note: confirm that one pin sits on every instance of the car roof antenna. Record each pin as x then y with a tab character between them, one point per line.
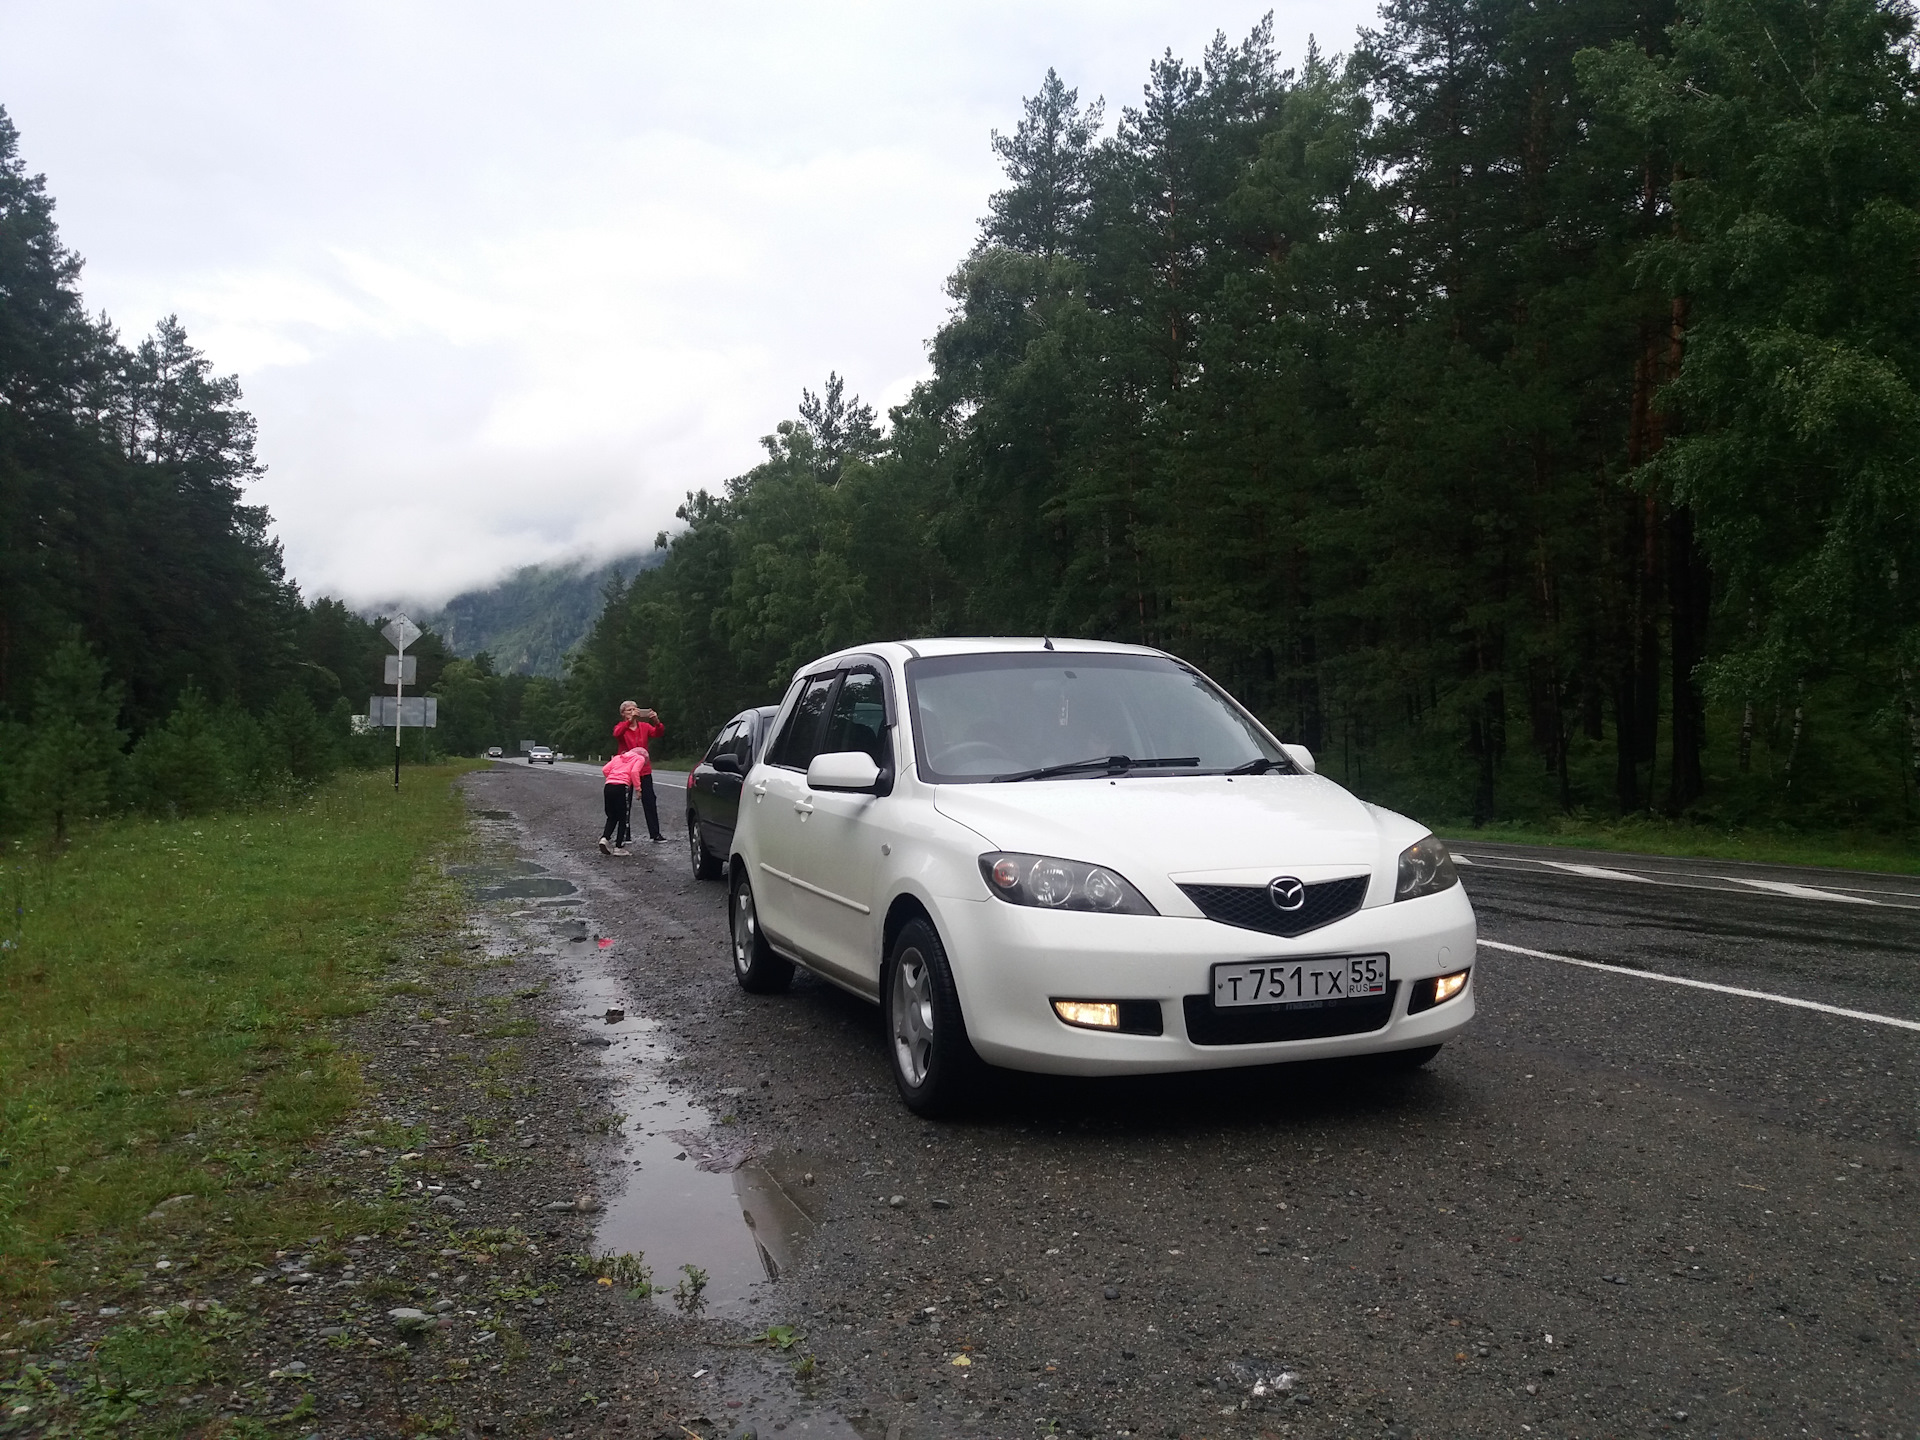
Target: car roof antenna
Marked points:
1046	642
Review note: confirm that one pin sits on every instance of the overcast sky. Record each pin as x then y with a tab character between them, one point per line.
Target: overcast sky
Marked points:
502	282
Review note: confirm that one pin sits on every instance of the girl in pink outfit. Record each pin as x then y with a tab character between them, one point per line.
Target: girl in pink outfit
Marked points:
623	773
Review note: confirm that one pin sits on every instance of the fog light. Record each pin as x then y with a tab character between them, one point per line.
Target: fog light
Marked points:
1428	993
1093	1014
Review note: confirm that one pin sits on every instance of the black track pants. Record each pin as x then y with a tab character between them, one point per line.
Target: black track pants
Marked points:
650	806
619	800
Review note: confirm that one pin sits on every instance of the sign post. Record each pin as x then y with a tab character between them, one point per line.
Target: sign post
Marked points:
401	667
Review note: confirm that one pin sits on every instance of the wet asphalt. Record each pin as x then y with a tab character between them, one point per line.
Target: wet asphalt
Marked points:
1614	1206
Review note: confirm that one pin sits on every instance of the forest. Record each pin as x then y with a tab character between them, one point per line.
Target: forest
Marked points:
1520	411
153	653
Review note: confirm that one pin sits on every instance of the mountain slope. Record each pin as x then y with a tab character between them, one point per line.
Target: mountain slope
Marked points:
529	620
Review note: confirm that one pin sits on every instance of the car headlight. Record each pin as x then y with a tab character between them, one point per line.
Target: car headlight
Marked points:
1425	869
1050	884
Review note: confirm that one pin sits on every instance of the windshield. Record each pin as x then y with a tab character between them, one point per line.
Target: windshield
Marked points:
980	718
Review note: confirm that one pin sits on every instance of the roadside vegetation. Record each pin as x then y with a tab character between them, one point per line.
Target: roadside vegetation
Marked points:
166	988
1519	411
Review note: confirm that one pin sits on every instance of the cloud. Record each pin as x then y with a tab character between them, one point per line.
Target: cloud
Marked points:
501	282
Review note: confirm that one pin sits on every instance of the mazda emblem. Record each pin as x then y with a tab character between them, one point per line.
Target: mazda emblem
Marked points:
1286	893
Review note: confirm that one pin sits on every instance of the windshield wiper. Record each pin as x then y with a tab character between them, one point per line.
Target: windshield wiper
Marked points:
1253	767
1112	764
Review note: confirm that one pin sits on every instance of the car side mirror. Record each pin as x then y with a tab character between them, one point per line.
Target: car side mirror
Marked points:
844	770
1300	756
726	762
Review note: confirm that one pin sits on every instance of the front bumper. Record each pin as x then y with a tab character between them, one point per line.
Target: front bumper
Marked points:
1011	962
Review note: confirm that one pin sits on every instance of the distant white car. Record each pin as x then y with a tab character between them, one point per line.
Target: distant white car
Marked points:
1088	859
538	753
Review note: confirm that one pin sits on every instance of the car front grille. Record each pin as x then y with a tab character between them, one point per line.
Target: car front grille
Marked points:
1264	1024
1248	907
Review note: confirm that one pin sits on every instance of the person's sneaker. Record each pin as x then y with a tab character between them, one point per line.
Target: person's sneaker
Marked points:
657	839
618	851
605	848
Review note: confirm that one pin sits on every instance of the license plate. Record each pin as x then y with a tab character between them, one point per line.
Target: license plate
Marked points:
1296	982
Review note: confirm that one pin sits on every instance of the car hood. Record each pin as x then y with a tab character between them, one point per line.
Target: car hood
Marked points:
1205	828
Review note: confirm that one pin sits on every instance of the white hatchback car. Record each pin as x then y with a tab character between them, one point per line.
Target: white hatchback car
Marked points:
1083	858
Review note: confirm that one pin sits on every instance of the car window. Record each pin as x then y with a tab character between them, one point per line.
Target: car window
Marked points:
980	716
724	740
743	742
859	718
799	739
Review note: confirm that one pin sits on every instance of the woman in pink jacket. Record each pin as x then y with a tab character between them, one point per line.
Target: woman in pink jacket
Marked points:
622	774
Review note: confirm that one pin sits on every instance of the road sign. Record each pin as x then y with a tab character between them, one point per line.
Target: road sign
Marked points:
416	711
402	669
401	632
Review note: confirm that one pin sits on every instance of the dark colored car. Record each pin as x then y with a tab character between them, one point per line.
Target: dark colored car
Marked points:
713	788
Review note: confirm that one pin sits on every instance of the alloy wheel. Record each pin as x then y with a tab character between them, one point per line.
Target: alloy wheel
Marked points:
912	1016
746	923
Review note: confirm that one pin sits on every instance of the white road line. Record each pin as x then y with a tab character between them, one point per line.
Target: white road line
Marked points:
1599	872
1797	1003
1805	892
1691	880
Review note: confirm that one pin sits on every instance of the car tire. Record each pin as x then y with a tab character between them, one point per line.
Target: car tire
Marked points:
934	1064
755	966
1403	1062
706	864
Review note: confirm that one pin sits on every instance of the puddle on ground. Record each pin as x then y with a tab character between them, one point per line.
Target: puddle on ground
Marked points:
684	1189
493	870
529	888
758	1394
694	1191
687	1189
513	880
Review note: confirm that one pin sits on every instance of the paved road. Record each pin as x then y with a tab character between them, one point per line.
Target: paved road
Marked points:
1618	1204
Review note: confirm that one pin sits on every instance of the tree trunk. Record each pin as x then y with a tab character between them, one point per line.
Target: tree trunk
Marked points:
1913	727
1480	741
1793	745
1626	773
1646	738
1687	594
1746	738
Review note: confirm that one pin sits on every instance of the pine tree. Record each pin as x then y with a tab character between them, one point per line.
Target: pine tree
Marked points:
73	749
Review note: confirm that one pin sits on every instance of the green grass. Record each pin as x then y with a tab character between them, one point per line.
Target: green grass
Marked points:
1648	836
164	1004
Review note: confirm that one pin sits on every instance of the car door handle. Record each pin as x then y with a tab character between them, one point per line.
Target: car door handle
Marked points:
803	807
760	791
